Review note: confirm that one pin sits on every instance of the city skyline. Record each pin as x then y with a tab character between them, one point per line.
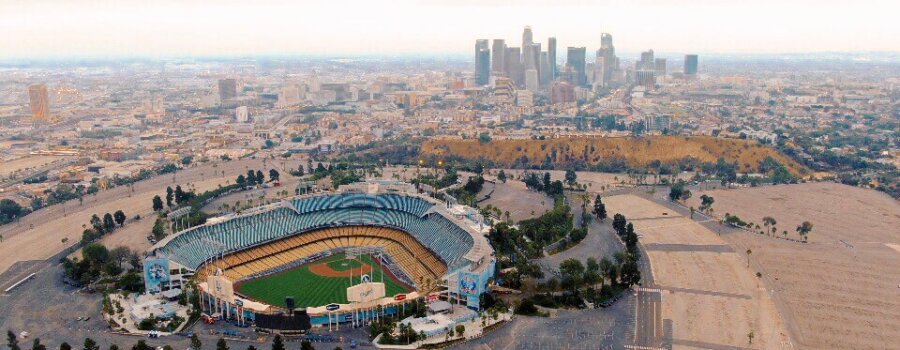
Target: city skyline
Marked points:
42	29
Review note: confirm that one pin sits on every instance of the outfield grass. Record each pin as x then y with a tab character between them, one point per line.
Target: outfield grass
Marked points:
309	289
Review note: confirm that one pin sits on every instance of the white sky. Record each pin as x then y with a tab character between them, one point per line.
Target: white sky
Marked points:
41	28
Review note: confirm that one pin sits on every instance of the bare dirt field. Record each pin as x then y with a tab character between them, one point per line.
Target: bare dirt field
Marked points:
837	212
520	202
709	296
841	290
39	235
596	181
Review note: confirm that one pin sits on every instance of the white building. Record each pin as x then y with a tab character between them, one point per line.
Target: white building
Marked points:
241	114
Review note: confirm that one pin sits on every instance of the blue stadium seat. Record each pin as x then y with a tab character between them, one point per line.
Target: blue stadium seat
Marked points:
449	242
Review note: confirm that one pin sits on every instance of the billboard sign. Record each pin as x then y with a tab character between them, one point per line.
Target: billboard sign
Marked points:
468	284
400	297
473	302
156	272
365	292
220	287
332	307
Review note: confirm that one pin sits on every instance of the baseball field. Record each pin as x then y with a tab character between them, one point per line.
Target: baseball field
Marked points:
321	282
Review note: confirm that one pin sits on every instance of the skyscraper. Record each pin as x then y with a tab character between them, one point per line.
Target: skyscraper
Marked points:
528	61
546	73
532	80
535	57
551	55
498	57
40	103
690	65
482	62
599	72
610	63
646	61
227	89
514	66
660	67
575	57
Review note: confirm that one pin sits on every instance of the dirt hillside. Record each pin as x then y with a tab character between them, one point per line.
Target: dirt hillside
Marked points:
635	151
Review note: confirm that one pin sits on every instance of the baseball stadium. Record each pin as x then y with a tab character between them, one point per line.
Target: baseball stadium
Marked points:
348	255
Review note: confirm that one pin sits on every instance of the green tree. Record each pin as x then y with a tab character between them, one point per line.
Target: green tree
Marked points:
108	222
157	203
274	175
706	203
97	223
180	195
90	344
36	345
196	344
11	341
306	345
65	346
592	272
619	223
278	343
599	208
676	191
572	273
170	195
571	176
141	345
221	344
113	347
119	216
804	229
630	273
501	176
260	178
95	253
120	254
460	330
251	177
10	210
251	347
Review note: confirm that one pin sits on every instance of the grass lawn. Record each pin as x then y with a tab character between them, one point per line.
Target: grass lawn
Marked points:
309	289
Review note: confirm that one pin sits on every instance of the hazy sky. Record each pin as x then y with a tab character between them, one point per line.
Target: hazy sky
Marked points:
39	28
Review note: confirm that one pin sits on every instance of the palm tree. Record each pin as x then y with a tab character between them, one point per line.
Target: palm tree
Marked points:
748	257
585	199
769	221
